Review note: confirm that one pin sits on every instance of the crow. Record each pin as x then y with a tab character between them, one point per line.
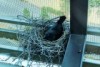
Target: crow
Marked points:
55	31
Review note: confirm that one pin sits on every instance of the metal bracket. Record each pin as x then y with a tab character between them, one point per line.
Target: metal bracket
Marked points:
74	51
78	19
78	28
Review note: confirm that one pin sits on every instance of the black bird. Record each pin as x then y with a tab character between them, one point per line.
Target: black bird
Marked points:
55	31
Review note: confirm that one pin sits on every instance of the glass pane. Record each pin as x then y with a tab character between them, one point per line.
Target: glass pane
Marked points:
35	8
92	53
94	13
27	9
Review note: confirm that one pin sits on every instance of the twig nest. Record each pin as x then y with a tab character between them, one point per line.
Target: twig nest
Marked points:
32	40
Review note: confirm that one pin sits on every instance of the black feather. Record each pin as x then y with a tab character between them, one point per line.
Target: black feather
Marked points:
55	31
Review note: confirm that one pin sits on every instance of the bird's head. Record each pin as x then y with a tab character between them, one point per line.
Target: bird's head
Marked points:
61	19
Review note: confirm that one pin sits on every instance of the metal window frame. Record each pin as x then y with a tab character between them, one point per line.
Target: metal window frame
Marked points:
78	27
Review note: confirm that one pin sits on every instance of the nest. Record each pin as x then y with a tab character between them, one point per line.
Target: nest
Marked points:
33	43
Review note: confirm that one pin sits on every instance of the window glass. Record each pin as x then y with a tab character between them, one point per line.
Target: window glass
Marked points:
11	43
94	13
